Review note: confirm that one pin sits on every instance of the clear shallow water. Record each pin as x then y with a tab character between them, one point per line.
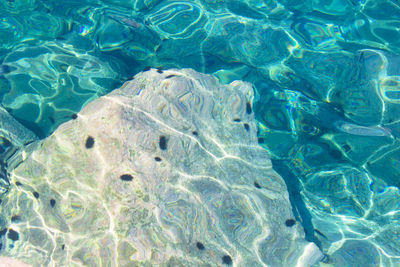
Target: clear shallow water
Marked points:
326	73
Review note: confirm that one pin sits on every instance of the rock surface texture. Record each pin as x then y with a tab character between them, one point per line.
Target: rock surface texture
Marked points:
165	171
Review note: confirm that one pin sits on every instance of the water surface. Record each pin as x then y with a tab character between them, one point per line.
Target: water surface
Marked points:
327	77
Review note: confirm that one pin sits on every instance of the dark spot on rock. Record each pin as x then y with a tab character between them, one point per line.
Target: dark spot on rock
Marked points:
36	194
126	177
290	222
18	183
157	159
89	142
200	245
1	245
159	70
52	203
237	120
195	133
257	185
346	147
170	76
248	108
15	218
3	232
74	116
246	126
163	142
13	235
227	259
260	140
147	68
62	247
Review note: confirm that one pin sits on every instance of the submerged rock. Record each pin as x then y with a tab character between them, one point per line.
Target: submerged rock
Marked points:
12	132
13	138
165	171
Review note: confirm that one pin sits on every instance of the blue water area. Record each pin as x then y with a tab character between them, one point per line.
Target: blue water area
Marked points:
326	74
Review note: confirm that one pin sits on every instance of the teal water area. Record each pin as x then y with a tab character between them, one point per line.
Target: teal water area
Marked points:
326	72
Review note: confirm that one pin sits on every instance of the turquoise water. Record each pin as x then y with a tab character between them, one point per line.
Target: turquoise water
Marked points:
327	76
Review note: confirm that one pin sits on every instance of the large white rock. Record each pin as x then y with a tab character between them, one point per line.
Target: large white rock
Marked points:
193	170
